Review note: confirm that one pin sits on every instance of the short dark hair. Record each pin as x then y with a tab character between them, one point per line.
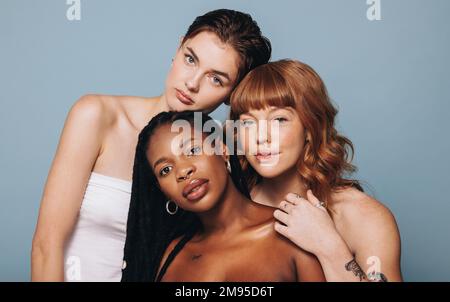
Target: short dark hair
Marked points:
238	30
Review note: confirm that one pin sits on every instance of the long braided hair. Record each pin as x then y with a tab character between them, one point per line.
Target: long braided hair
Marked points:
150	228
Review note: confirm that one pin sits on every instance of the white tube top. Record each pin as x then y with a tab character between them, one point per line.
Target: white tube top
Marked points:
94	252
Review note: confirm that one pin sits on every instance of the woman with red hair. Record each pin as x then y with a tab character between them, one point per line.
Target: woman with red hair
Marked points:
295	155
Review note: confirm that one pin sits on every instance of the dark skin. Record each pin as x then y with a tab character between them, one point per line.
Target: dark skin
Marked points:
238	241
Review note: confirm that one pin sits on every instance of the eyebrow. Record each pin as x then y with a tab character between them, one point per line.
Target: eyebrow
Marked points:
189	139
193	53
221	73
271	110
161	160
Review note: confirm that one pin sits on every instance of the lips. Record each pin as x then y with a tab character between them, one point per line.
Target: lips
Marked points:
196	189
183	97
266	155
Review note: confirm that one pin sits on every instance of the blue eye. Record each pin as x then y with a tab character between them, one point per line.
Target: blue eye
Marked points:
164	171
281	119
216	81
194	150
247	123
189	59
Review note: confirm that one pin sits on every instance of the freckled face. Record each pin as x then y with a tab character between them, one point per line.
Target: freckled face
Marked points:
185	172
203	74
273	139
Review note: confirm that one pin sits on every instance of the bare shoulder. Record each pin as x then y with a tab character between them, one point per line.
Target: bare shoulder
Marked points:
265	229
108	109
167	252
93	108
171	246
261	225
358	215
351	204
307	265
370	231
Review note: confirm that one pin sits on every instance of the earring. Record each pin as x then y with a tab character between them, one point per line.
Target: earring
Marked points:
171	204
228	166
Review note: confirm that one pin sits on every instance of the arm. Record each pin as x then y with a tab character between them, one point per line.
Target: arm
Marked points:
339	264
370	227
75	157
376	243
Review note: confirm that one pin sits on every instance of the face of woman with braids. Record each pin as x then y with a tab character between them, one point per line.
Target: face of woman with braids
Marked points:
188	170
272	139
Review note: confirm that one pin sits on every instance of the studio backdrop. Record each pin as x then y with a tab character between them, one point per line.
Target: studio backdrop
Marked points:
385	63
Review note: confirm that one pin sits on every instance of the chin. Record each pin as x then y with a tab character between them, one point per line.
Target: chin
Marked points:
267	171
269	174
200	208
203	205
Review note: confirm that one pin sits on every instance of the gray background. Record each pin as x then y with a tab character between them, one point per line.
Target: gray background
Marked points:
390	79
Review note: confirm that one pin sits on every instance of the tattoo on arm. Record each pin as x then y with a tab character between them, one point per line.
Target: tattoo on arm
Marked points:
377	277
354	267
373	276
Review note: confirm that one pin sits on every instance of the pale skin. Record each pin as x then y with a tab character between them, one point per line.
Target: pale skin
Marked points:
354	225
100	135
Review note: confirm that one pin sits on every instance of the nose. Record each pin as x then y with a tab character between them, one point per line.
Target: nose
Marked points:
263	134
193	82
185	172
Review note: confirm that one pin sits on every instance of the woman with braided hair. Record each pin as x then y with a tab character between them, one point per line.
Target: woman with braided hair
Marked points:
191	219
82	222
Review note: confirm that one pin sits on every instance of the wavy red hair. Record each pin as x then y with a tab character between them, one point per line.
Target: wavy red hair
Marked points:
327	155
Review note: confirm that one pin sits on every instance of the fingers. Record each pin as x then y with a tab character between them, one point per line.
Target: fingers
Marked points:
296	199
293	198
283	230
281	216
314	201
286	206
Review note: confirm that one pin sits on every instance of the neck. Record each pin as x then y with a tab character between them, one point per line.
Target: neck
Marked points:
161	105
271	191
155	106
229	214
